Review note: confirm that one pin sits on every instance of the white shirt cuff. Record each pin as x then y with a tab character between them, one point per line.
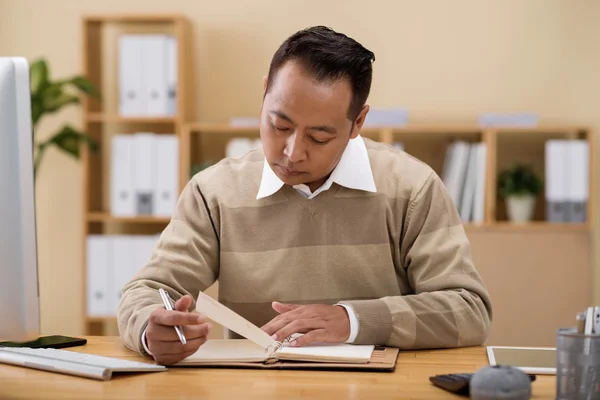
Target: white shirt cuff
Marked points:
144	341
353	323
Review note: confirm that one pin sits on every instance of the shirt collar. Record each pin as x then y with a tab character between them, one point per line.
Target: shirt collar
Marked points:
353	171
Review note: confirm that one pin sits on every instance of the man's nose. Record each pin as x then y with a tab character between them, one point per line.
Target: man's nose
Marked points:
294	149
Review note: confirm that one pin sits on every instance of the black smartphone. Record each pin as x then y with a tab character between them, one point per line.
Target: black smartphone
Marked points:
49	342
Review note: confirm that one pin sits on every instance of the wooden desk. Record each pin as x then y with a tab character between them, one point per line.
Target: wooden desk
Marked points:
410	380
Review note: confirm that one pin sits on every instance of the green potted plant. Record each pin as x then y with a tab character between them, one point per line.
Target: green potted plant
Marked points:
519	185
50	96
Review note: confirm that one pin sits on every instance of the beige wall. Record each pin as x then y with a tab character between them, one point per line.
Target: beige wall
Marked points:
446	60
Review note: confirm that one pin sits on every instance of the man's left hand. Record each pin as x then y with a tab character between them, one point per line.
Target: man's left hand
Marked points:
318	322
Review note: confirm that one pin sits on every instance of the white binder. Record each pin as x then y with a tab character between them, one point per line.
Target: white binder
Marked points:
98	275
122	259
479	204
455	168
167	174
143	247
556	180
122	201
577	181
154	75
468	190
130	78
172	73
145	173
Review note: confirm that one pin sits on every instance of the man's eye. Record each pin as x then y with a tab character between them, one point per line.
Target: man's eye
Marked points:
319	141
281	129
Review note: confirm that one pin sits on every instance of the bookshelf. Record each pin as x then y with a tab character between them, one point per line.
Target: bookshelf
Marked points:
429	143
102	119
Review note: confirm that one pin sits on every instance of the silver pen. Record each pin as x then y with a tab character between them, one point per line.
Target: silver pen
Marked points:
168	302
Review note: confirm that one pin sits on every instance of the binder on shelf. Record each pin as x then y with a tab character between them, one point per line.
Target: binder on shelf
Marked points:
172	71
577	182
167	174
144	173
556	181
470	180
455	167
148	74
121	263
155	92
142	249
480	182
122	200
130	77
98	275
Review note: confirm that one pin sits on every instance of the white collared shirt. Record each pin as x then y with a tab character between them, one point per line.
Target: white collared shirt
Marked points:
353	171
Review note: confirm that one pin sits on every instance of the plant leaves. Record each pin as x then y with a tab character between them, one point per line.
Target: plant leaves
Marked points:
54	102
69	140
519	179
85	85
38	71
37	110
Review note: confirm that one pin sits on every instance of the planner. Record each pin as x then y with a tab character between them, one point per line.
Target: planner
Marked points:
259	350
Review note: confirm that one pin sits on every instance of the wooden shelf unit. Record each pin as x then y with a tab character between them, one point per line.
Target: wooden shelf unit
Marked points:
101	120
428	143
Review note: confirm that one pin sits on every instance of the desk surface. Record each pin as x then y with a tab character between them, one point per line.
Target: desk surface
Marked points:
410	379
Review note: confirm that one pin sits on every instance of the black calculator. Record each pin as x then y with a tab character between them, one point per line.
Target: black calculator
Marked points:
457	383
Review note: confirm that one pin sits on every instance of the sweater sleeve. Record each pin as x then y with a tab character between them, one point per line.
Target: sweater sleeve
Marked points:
448	305
184	261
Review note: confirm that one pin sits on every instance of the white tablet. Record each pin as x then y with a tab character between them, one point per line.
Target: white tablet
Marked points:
531	360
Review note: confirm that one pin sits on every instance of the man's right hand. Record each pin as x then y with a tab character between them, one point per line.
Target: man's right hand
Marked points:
162	339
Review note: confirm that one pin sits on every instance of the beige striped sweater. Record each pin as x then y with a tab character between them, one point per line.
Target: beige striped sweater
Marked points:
399	257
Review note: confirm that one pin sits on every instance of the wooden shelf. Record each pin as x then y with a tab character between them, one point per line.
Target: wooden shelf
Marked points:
101	117
142	219
133	18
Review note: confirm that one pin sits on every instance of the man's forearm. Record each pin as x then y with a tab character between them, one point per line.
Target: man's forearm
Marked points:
442	319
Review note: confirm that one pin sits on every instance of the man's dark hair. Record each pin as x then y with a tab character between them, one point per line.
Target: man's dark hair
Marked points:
328	56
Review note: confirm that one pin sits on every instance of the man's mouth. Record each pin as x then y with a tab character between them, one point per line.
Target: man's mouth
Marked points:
289	171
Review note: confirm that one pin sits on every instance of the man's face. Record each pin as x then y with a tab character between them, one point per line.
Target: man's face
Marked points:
304	126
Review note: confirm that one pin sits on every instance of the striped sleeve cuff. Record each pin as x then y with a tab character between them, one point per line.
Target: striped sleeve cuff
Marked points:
374	321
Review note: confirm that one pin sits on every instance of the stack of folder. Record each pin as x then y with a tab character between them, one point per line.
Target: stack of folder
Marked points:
147	69
111	262
144	174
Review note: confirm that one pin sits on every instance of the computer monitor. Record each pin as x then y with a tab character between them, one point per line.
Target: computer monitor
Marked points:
19	293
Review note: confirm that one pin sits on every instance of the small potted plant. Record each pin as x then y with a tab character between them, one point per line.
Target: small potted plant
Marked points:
519	185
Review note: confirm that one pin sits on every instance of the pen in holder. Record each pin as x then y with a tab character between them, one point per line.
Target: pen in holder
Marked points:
578	360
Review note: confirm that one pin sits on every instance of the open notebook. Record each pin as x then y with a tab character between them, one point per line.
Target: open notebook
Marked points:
259	349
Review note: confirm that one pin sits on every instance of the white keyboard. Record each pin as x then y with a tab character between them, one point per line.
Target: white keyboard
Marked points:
72	363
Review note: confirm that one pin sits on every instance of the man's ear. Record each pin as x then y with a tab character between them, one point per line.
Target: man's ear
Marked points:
360	120
264	85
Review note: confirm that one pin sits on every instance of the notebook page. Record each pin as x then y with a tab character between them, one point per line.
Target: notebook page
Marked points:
226	350
327	352
230	319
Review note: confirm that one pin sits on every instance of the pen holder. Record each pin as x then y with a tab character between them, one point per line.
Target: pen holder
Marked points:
577	365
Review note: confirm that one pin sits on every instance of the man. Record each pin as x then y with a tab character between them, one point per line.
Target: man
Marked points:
321	232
